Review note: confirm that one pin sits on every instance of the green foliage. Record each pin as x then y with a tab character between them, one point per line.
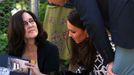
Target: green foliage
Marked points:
23	4
5	7
3	42
42	10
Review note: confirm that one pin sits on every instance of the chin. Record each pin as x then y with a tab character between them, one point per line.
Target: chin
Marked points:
32	36
77	42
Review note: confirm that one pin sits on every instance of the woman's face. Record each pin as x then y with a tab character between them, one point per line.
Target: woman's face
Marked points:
77	34
31	30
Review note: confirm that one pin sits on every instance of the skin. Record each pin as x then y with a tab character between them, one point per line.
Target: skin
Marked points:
109	70
30	26
58	2
77	34
31	32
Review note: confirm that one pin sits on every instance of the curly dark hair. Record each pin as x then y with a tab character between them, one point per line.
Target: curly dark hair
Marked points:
83	53
16	33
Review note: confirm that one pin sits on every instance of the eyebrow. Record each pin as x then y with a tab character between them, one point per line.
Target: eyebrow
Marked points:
29	19
71	30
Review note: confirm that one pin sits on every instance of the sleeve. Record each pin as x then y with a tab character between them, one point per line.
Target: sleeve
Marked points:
93	21
52	59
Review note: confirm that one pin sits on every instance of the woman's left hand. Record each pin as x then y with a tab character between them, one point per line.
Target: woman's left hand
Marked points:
35	70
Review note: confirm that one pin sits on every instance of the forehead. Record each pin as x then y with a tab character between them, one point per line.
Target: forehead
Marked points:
72	27
26	16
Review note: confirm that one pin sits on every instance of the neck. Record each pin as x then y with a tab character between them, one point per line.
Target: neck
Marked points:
30	44
30	41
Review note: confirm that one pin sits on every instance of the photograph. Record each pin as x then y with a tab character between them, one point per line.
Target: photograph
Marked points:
17	65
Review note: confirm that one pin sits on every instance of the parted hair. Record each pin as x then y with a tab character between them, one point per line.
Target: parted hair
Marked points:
83	53
16	33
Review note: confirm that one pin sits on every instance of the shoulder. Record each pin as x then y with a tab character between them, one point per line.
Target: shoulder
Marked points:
48	57
49	50
48	47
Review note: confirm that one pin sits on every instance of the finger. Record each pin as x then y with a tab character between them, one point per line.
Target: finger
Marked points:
50	1
29	64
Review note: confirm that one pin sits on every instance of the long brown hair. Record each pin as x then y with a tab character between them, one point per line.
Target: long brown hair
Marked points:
82	54
16	34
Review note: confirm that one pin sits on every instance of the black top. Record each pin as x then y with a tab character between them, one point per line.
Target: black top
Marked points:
48	58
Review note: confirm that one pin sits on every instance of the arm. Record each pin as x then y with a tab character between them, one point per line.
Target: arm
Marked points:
52	59
34	69
91	16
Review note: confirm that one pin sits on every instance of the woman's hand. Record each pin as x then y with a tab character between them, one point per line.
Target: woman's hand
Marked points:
109	69
35	70
57	2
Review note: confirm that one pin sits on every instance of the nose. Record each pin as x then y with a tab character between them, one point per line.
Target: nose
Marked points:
29	24
69	34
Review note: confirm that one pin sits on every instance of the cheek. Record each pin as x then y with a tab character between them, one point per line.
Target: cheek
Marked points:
76	38
37	30
79	38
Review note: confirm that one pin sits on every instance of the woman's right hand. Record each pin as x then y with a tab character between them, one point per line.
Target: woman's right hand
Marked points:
35	70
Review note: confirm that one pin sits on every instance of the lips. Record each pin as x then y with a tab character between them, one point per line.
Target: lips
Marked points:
31	30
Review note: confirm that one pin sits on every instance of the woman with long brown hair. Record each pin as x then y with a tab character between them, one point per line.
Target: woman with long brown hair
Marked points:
84	57
28	40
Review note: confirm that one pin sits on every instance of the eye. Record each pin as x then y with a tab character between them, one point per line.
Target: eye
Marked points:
31	21
73	32
25	23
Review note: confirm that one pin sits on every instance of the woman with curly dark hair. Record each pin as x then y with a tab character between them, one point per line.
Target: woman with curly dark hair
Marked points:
27	40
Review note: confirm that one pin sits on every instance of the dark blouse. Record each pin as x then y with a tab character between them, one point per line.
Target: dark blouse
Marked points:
48	58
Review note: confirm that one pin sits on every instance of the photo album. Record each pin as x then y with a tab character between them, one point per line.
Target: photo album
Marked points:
10	65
